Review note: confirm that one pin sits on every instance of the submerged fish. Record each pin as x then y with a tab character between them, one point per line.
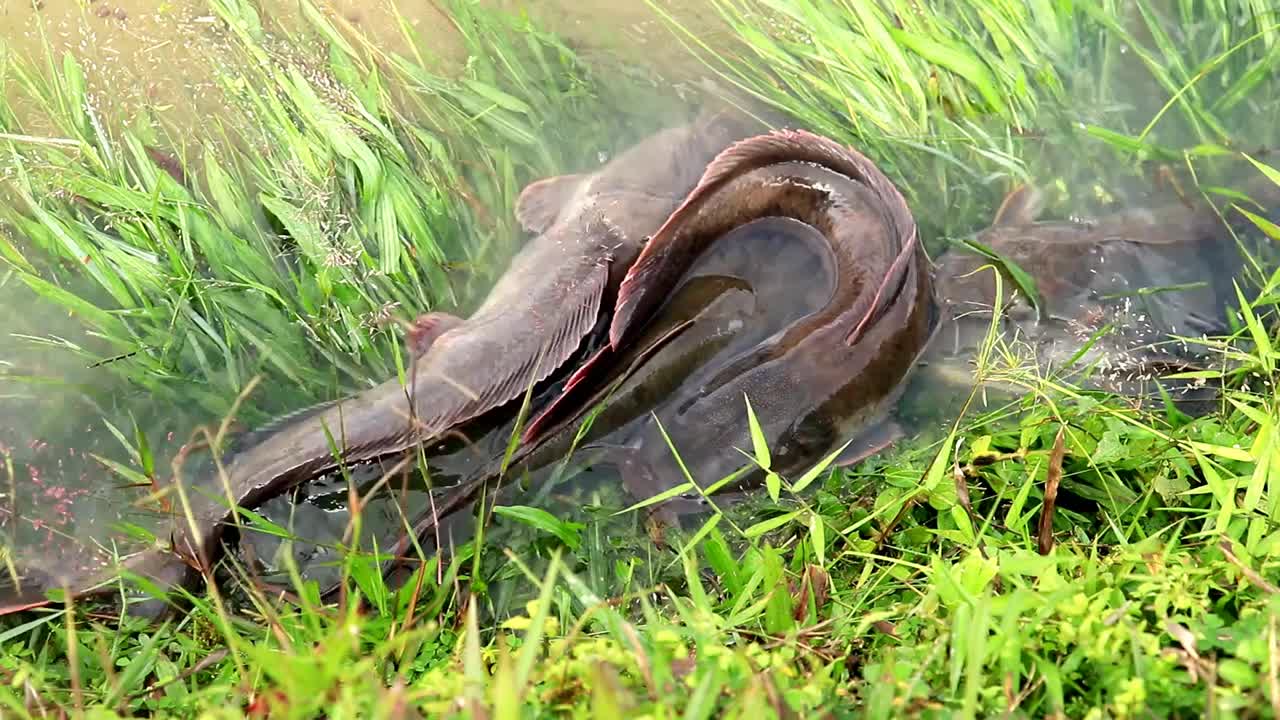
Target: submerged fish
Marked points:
793	277
590	227
1127	282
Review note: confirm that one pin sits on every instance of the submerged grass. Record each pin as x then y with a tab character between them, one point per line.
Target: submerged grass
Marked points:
356	186
286	240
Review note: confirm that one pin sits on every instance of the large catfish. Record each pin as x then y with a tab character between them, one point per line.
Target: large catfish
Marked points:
715	338
824	379
711	316
590	228
796	280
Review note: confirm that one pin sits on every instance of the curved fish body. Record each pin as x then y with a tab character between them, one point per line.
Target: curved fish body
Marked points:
721	309
799	284
589	228
1078	262
827	377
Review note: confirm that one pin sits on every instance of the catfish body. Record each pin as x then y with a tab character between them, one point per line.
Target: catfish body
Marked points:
1126	282
589	229
536	316
798	284
707	316
827	376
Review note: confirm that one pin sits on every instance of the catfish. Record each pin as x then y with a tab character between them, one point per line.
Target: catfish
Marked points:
824	382
1125	284
797	281
589	229
703	319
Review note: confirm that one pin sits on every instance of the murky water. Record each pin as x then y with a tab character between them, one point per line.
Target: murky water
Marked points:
165	62
160	58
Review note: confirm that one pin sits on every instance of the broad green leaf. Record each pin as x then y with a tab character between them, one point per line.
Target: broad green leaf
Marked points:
660	497
813	472
568	532
818	538
773	483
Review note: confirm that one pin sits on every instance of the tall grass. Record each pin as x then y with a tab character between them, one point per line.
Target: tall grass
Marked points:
909	586
346	191
963	101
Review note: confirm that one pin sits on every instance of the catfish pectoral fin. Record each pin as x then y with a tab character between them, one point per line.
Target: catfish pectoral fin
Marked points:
869	442
558	408
540	202
485	378
426	328
18	606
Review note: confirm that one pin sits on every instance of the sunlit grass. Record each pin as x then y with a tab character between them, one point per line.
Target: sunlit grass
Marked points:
355	187
961	104
320	215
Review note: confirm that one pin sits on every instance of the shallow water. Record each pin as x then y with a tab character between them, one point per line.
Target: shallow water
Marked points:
163	56
139	54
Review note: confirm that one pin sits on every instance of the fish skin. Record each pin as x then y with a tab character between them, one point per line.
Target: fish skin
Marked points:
666	367
824	377
698	321
688	365
695	326
679	371
536	316
1066	257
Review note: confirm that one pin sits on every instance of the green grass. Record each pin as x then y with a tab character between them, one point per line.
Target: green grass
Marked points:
909	586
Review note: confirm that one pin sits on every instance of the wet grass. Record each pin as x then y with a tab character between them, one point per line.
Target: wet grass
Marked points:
354	188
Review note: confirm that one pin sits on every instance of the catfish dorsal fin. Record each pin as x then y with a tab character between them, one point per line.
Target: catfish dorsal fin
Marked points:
1021	206
638	294
541	201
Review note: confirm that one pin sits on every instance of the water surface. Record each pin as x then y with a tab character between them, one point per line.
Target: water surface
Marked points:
162	60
